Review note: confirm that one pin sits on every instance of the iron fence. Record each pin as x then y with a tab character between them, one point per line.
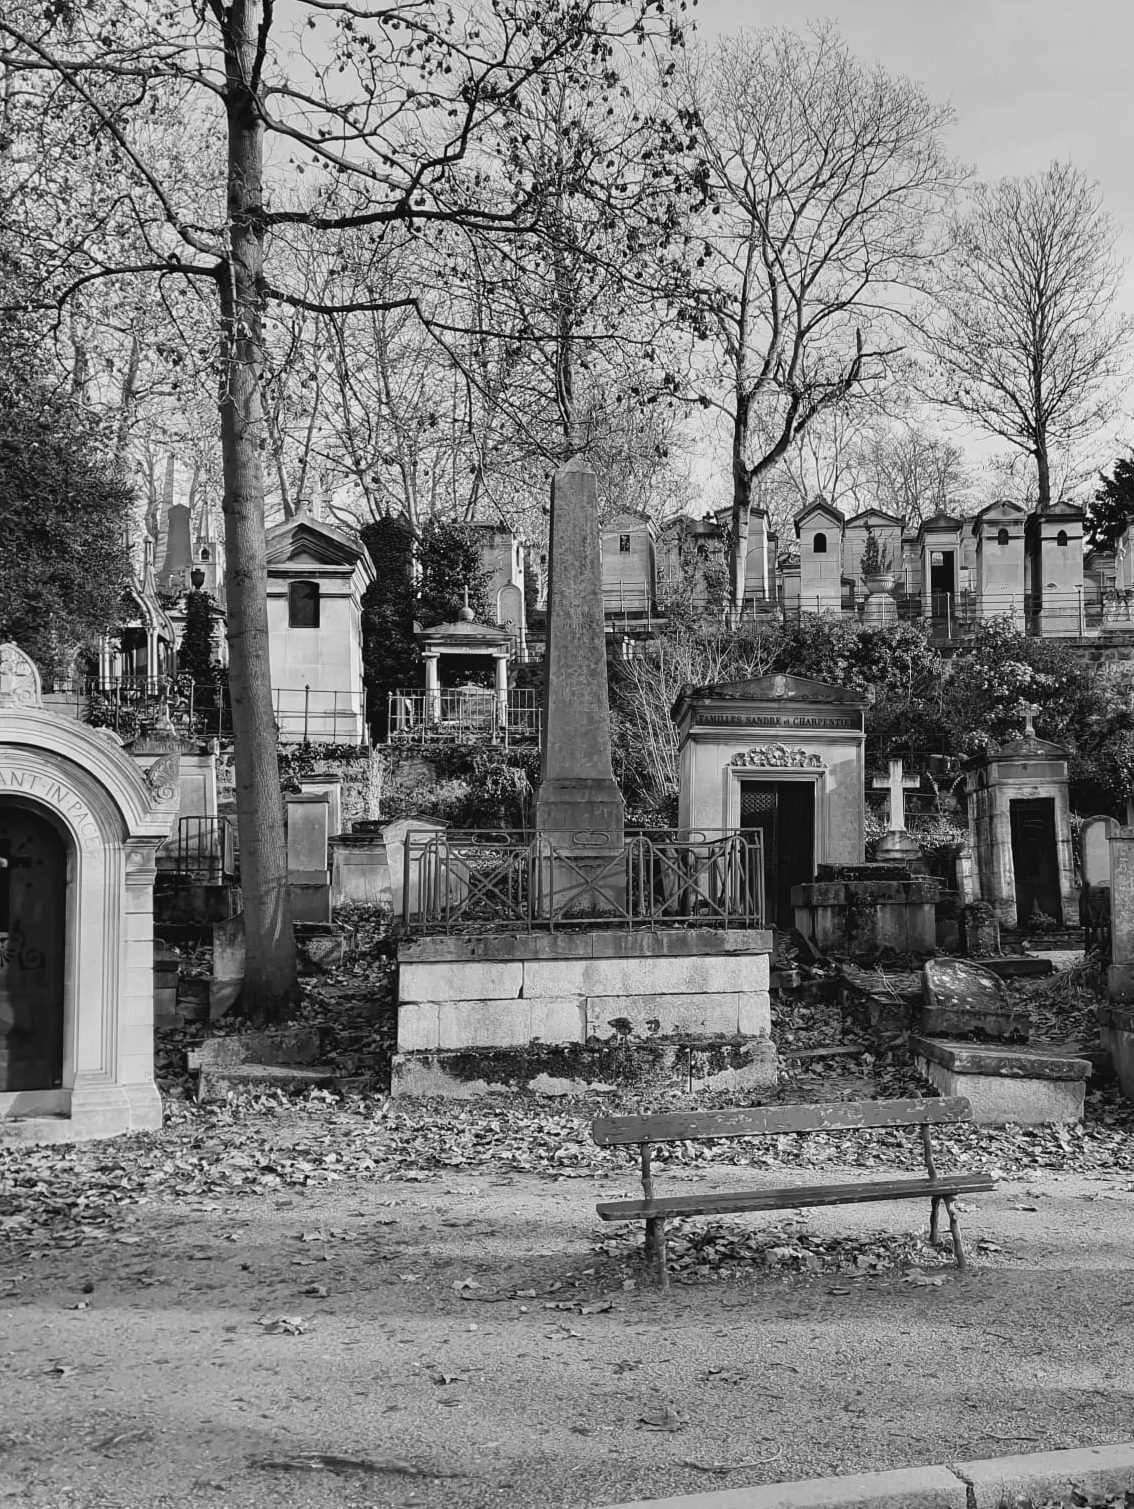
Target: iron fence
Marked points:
508	882
463	715
206	851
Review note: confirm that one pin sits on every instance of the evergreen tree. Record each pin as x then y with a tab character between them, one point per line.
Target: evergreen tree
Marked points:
1112	507
65	512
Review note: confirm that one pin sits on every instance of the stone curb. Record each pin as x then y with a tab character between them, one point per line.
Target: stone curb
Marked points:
965	1485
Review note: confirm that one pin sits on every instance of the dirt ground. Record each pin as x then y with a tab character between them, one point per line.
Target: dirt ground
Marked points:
476	1337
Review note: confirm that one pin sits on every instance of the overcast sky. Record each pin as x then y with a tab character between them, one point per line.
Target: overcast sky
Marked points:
1029	79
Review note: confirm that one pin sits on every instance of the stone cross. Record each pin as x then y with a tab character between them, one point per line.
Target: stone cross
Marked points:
1030	711
897	783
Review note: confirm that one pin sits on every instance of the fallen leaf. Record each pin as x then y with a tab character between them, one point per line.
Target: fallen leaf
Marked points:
664	1418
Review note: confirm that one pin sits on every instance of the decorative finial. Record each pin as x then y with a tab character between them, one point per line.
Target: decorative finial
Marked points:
1030	711
465	614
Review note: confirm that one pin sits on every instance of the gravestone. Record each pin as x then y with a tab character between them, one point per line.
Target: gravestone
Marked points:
897	845
308	875
579	808
80	825
966	1000
1094	849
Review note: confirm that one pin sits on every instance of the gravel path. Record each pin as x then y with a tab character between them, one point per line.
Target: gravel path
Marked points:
191	1354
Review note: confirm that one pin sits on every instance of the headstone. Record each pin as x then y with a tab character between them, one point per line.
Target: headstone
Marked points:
897	845
229	957
308	878
331	788
579	808
1094	849
395	837
965	1000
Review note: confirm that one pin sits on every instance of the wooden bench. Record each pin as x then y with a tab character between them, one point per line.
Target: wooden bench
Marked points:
776	1121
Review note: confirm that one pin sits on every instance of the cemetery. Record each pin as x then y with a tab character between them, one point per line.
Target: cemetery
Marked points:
566	761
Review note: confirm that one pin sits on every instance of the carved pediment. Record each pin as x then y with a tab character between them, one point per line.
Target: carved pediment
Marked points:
778	757
19	680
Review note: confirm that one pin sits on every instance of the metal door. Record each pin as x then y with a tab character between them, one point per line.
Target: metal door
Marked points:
33	880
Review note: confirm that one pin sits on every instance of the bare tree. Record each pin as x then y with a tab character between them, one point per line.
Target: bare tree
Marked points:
909	472
1025	336
333	116
826	178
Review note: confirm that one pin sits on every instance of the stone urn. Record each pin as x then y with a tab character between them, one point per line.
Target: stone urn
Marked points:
880	607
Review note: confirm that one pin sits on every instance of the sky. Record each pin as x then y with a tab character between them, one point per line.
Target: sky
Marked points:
1029	81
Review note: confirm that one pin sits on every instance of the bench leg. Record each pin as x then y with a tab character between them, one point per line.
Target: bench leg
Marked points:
655	1249
955	1233
934	1219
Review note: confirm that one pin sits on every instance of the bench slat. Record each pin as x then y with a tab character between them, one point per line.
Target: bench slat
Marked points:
768	1121
720	1202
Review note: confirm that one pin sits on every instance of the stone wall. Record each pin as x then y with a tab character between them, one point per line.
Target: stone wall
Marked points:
583	990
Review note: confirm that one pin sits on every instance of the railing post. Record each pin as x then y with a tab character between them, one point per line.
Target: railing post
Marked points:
306	701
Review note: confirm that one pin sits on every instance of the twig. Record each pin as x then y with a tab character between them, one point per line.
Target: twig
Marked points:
719	1469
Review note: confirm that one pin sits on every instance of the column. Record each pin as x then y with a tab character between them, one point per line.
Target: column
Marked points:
432	688
502	696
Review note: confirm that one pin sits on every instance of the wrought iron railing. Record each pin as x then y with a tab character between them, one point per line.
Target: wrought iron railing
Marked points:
508	882
464	715
206	851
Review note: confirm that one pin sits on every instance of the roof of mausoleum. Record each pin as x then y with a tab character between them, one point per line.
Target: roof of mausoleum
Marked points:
868	515
303	536
940	521
777	688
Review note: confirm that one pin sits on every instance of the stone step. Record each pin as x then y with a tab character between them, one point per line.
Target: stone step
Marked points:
216	1081
1017	966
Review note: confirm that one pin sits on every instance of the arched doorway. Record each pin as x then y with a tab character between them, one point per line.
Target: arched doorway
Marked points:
33	885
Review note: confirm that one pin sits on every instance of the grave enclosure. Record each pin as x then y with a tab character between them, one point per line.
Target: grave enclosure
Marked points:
80	826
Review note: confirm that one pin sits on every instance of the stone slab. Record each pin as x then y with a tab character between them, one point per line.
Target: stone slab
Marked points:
962	997
902	1488
647	976
1017	966
589	943
664	1015
1007	1063
489	979
1095	1471
1119	1045
997	1101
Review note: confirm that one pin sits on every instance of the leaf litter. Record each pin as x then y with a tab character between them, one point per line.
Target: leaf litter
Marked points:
259	1144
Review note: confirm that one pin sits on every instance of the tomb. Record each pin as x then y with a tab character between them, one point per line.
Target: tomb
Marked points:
781	756
1020	830
582	955
316	578
819	529
80	826
999	533
1055	563
1006	1084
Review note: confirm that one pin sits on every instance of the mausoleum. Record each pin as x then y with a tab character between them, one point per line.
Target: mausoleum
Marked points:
79	830
782	755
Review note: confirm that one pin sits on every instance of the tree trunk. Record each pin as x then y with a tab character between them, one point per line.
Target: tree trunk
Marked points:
741	510
1043	469
270	985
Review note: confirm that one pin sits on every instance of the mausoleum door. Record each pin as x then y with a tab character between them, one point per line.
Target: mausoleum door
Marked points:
33	880
783	812
1035	860
942	582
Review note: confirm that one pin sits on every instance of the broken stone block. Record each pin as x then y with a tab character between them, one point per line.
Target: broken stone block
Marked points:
967	1000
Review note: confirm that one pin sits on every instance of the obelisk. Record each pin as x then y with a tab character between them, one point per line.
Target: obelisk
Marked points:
579	808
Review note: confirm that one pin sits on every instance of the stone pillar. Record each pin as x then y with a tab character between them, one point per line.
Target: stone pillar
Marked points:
577	790
330	787
502	694
307	875
1120	975
579	808
432	687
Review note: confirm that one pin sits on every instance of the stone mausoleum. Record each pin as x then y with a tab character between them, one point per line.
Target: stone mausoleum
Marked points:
782	756
80	826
